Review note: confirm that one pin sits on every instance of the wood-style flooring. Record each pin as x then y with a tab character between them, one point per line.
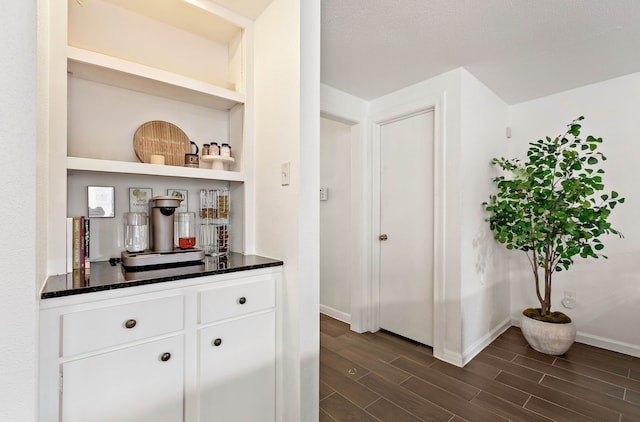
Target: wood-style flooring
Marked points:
384	377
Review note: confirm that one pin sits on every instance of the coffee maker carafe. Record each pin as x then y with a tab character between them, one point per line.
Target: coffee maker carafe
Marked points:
162	210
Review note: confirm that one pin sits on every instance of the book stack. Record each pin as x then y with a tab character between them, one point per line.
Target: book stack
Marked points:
78	240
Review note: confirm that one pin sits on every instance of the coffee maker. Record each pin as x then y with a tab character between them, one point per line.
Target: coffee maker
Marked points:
162	210
162	248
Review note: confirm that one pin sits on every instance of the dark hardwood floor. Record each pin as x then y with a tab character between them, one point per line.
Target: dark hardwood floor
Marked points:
384	377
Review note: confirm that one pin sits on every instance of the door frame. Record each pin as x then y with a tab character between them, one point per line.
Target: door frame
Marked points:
358	113
435	104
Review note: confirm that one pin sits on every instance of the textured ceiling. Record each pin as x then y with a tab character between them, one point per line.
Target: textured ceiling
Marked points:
521	49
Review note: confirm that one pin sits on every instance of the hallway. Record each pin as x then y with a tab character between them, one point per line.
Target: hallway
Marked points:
384	377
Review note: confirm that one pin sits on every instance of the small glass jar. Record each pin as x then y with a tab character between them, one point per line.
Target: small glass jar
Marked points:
206	149
184	230
136	231
214	149
225	150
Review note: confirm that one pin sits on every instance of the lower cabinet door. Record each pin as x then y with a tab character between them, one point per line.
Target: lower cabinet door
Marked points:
237	370
142	383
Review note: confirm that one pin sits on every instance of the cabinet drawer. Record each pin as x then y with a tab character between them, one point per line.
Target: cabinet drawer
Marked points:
237	299
94	329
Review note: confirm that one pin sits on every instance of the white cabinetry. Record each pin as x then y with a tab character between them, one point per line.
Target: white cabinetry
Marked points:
236	373
138	383
157	353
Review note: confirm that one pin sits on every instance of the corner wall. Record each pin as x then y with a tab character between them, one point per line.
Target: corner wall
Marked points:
471	290
18	305
336	254
287	129
484	283
607	291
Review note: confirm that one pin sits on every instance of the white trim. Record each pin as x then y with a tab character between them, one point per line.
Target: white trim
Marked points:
601	342
609	344
374	287
484	341
439	220
437	104
335	314
453	358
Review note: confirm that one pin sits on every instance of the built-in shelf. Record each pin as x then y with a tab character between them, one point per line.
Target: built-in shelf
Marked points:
114	71
110	166
217	161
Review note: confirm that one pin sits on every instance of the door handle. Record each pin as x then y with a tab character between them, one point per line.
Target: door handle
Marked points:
383	237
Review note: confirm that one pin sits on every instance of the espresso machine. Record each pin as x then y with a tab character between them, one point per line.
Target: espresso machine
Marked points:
162	251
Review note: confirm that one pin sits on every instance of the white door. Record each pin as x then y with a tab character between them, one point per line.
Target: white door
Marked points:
135	384
237	370
406	220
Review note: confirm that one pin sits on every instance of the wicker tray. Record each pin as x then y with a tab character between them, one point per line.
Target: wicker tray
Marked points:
161	138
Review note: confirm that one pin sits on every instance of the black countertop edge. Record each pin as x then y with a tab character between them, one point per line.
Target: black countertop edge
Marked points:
103	276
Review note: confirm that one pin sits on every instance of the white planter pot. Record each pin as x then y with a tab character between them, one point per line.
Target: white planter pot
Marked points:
547	337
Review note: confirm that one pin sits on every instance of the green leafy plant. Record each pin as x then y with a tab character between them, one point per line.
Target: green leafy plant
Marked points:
551	206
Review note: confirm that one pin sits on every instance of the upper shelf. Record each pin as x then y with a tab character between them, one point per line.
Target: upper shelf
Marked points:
102	68
109	166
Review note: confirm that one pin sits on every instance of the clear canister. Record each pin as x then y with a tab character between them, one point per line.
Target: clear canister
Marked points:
185	230
136	231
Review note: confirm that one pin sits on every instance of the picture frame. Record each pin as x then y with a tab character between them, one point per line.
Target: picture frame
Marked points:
180	193
139	199
101	202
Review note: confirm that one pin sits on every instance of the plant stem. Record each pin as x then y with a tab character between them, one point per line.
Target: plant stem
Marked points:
534	267
548	271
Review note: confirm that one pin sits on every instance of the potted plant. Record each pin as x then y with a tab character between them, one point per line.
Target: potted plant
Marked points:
551	206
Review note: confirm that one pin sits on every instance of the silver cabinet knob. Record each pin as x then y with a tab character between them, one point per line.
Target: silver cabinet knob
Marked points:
383	237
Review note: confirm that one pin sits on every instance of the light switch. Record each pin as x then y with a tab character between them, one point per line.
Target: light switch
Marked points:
324	194
284	173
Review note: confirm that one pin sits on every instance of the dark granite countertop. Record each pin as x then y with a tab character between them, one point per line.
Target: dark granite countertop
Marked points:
104	276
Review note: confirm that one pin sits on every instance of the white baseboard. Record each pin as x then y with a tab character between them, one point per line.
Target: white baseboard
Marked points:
601	342
606	343
334	313
484	341
449	357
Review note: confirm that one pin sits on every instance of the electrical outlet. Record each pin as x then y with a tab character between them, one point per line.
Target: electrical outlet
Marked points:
324	194
285	173
569	300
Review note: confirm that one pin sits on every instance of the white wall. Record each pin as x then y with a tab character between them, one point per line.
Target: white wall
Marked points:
353	111
463	278
608	291
287	127
484	283
18	302
336	254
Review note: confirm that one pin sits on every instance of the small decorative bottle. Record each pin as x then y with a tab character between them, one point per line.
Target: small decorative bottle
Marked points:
225	150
